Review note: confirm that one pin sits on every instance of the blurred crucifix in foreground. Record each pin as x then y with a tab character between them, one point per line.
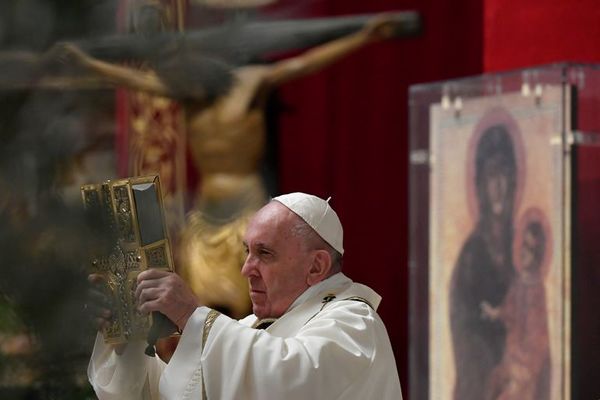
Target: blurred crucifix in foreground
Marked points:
224	98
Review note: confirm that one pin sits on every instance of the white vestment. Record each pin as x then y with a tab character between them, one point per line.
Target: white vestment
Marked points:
323	347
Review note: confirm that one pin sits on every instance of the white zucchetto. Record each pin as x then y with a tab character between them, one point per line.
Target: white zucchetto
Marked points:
317	213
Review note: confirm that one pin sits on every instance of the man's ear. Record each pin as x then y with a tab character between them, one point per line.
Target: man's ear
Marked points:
319	268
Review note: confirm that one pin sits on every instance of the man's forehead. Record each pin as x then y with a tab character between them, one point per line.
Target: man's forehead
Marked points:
272	219
274	211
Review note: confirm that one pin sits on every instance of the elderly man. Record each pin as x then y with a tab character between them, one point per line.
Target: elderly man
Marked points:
314	333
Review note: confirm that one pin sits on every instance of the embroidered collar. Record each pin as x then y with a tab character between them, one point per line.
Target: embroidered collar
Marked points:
333	281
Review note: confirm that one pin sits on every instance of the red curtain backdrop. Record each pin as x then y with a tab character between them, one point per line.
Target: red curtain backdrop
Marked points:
533	32
346	136
346	133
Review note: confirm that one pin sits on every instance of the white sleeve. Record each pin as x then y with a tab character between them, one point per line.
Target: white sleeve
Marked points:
131	375
327	355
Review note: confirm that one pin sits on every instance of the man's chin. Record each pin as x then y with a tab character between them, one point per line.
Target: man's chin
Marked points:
259	311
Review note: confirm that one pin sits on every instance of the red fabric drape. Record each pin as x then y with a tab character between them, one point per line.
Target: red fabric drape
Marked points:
533	32
543	31
346	136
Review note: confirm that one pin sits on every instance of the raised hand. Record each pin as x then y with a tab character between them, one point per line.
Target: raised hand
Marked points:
385	26
165	292
489	312
99	305
66	54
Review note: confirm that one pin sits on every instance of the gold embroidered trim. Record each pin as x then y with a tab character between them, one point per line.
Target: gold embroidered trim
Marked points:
208	323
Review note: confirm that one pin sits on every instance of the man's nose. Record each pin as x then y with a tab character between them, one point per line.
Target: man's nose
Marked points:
249	267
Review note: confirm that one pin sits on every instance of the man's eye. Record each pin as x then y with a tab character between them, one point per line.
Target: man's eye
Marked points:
264	252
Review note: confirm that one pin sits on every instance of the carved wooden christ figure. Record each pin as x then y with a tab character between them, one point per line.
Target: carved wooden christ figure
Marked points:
224	107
